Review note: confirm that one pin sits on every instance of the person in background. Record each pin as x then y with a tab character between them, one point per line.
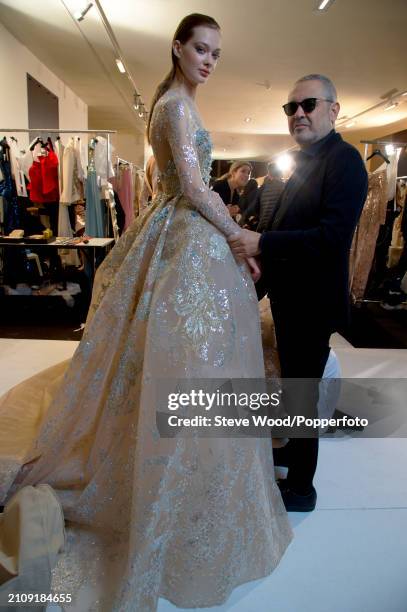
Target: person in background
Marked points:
248	199
268	195
259	212
230	185
150	184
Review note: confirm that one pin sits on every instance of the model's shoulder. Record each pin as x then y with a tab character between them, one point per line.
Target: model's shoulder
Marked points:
173	102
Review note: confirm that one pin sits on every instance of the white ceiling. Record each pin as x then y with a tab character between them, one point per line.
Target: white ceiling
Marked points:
361	45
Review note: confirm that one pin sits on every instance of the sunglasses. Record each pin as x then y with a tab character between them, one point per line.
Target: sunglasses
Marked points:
307	105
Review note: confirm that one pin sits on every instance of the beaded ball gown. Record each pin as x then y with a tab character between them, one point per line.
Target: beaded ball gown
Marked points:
187	519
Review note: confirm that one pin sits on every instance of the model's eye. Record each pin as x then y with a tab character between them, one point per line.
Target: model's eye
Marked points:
200	49
216	56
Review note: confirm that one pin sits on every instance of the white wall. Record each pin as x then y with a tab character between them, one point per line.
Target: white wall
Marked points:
15	61
129	146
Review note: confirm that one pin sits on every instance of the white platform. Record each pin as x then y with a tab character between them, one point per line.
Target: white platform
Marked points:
350	554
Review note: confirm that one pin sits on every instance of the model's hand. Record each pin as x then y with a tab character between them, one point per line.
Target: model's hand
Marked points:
254	268
245	244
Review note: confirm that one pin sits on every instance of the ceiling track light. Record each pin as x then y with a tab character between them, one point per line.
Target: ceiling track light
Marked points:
80	15
391	104
136	100
120	66
324	5
141	111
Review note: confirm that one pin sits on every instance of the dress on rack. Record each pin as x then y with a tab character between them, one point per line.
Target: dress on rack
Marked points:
187	519
365	238
397	238
95	214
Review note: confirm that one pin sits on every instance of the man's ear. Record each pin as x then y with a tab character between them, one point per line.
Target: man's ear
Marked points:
334	112
176	48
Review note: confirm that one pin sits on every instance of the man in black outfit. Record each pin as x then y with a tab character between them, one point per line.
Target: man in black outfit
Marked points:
304	256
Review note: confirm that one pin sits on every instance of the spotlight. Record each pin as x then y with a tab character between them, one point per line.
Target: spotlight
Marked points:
120	66
137	101
80	15
391	104
324	4
284	162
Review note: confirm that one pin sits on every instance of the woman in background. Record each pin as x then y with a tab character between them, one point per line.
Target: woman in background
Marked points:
231	185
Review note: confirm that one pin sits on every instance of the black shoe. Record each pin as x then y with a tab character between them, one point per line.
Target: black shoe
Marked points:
280	457
294	502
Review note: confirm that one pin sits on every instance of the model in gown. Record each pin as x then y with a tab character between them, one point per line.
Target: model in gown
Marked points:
187	519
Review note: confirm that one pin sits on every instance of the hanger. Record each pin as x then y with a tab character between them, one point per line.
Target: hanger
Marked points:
36	141
380	154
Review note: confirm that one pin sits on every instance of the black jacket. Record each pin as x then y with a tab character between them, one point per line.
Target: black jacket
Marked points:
305	255
221	186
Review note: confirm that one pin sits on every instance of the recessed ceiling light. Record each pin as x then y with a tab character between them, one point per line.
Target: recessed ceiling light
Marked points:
247	119
120	66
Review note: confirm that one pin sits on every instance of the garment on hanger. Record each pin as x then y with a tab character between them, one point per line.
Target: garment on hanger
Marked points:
81	148
17	169
103	160
72	185
392	174
43	174
125	189
364	241
138	186
111	203
397	238
59	151
95	215
10	209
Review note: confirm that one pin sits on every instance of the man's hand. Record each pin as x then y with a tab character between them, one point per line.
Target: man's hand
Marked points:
245	244
233	209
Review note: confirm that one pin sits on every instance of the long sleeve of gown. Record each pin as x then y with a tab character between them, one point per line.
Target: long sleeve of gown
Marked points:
181	139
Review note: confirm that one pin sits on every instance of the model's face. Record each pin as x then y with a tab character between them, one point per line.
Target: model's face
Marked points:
199	55
241	176
307	128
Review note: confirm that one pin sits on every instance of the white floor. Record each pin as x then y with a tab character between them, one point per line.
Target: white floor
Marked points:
350	554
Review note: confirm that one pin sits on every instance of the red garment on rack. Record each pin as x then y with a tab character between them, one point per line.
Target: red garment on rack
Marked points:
43	174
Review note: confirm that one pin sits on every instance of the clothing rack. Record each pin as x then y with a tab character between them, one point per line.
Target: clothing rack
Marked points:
380	142
377	142
106	133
